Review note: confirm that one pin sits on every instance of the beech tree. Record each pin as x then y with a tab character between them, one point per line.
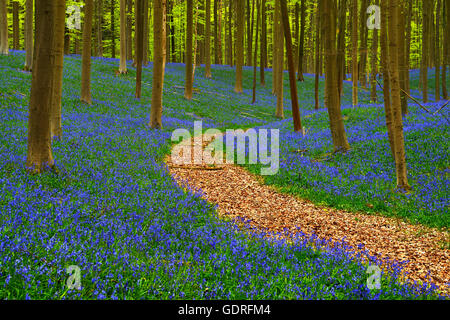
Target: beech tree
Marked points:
189	39
44	77
29	9
86	56
240	9
354	36
332	99
208	39
159	52
123	38
4	45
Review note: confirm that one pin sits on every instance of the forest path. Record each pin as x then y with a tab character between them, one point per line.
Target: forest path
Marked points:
240	194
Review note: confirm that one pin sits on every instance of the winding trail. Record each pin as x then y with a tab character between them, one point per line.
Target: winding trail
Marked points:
239	193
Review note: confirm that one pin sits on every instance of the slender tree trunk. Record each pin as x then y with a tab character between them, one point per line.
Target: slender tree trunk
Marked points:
291	66
16	28
317	64
208	39
363	48
159	51
139	45
86	56
263	49
29	14
249	34
331	77
408	45
386	77
437	56
99	27
129	30
341	45
296	42
445	45
355	53
240	9
276	26
113	29
401	56
425	51
66	41
4	45
39	155
302	42
146	33
58	52
230	34
216	32
255	56
123	38
400	155
189	39
374	60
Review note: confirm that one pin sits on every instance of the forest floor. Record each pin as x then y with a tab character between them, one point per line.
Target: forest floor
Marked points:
112	207
240	195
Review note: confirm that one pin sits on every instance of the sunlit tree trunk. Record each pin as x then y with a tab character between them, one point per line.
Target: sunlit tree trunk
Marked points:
399	144
240	9
4	46
354	36
279	44
86	56
302	41
208	39
113	29
437	55
249	34
263	42
99	27
445	45
129	29
146	33
189	43
159	52
39	154
363	30
255	55
139	45
374	67
341	45
16	28
291	66
123	38
408	44
317	64
425	50
401	55
60	19
29	14
332	100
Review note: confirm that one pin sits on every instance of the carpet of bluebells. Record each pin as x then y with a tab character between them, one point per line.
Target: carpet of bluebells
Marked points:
111	208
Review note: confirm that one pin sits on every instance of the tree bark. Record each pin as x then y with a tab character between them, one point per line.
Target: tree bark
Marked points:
123	38
331	77
255	56
240	9
425	51
437	56
86	56
4	45
445	45
374	60
139	45
263	49
401	56
39	154
302	41
317	65
58	51
113	29
16	28
29	14
291	65
208	39
189	39
354	36
159	51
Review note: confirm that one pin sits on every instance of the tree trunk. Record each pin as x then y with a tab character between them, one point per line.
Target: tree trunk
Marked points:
374	60
363	49
437	55
249	34
317	65
159	48
129	30
401	55
86	56
263	49
16	28
39	154
341	45
230	34
240	9
139	45
113	30
399	144
123	38
408	45
354	36
99	27
4	46
425	51
291	66
58	52
302	42
255	56
146	33
189	39
208	39
386	77
29	14
445	45
331	77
